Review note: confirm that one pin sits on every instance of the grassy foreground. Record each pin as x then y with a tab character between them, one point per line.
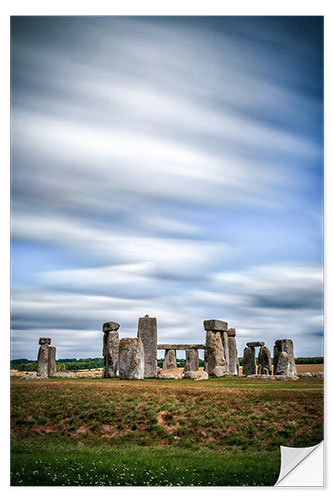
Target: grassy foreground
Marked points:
159	432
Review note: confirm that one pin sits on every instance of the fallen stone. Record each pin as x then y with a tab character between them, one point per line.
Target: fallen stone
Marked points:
33	377
173	373
255	344
170	360
192	360
131	359
218	371
215	325
215	360
65	374
318	374
305	374
147	331
196	375
249	361
110	326
283	378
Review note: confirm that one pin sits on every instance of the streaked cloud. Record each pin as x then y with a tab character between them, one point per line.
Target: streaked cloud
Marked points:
169	166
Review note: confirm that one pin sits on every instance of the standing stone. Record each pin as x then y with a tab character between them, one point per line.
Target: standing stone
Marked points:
52	367
249	361
147	331
206	360
284	365
170	359
43	361
224	337
111	354
233	356
265	361
288	347
216	365
276	354
192	360
131	359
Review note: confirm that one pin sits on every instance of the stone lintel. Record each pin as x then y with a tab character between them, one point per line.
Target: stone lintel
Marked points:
181	347
255	344
44	341
110	326
215	325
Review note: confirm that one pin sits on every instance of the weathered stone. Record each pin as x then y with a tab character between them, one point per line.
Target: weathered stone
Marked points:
147	331
224	337
218	371
282	378
233	359
255	344
174	373
192	360
287	345
111	354
276	354
43	361
285	365
110	326
318	374
216	365
33	377
282	366
196	375
305	374
65	375
249	361
44	341
180	347
131	359
265	361
52	367
231	332
215	325
170	359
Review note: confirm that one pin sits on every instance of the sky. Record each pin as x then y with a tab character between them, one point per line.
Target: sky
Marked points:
170	166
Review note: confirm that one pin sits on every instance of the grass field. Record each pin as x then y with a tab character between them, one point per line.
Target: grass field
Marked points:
159	432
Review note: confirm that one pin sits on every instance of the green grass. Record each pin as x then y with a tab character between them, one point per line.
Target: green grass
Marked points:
159	432
140	466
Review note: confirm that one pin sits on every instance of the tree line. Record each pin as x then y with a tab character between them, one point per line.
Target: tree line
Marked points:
73	364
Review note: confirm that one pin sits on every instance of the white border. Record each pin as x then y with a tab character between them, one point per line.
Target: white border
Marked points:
150	7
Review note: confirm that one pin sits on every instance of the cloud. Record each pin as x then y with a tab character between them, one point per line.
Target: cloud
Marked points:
66	301
169	166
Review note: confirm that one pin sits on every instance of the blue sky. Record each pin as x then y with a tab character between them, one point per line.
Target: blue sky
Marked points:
169	166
